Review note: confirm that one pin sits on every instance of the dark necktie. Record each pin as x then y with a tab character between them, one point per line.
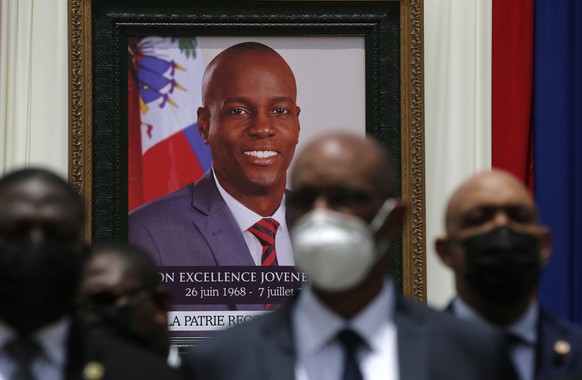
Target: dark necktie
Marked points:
23	350
350	341
513	341
265	230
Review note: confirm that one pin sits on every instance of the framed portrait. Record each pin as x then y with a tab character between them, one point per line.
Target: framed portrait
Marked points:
135	74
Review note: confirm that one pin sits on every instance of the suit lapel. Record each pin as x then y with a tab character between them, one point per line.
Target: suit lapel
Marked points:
412	344
278	351
217	225
75	352
555	351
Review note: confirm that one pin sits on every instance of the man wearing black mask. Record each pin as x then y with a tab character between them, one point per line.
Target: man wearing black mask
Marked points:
41	219
496	248
121	293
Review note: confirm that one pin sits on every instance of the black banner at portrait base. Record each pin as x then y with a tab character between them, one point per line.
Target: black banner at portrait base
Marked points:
213	298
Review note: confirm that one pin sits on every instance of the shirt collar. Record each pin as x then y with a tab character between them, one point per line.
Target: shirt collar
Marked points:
52	339
525	327
6	334
174	359
244	217
320	324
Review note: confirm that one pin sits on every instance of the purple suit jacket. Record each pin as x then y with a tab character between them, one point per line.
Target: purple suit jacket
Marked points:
192	226
189	227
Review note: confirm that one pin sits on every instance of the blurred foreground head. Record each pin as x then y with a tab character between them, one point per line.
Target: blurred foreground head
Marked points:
494	244
41	220
344	214
121	293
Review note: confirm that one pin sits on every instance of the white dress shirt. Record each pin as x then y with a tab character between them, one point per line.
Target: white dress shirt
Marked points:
523	353
174	359
246	218
320	355
50	363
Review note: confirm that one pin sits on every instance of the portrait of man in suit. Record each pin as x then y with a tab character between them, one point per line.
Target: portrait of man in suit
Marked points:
250	120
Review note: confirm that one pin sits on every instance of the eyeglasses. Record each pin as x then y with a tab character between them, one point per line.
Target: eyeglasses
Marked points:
109	297
336	197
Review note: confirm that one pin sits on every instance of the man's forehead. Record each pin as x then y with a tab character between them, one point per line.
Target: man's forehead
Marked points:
36	190
322	176
332	163
35	198
491	189
106	269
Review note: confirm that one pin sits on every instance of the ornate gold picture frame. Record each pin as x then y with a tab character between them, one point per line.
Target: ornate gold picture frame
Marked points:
393	31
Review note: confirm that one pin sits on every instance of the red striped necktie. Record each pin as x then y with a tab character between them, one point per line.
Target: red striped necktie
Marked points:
265	230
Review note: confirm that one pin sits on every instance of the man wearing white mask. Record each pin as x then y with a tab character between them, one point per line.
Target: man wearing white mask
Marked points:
350	323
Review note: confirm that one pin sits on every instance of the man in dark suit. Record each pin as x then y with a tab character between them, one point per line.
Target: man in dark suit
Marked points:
121	293
496	248
41	220
250	120
350	323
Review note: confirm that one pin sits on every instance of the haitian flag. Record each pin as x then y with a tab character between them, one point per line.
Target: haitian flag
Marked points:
537	129
165	150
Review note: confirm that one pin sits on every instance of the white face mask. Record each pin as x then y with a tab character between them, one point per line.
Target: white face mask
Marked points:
336	250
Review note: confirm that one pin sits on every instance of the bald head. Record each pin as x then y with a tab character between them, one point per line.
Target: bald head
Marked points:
495	245
241	57
341	158
484	193
349	179
250	119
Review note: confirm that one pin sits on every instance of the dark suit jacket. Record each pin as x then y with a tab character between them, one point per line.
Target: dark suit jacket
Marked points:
91	352
549	363
431	345
192	226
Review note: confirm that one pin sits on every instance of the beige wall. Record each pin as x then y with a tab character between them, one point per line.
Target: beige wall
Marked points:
33	94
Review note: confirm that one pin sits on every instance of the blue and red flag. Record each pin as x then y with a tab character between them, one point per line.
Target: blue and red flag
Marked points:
537	118
165	150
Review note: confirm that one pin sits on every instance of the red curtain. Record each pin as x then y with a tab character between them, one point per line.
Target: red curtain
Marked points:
512	86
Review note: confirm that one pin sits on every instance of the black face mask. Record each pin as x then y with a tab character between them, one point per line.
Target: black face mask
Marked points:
104	315
111	319
502	265
38	281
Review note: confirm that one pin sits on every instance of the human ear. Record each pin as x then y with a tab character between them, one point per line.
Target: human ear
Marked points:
203	123
443	251
546	245
392	227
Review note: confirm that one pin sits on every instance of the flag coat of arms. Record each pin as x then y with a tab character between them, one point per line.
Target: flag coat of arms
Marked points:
165	150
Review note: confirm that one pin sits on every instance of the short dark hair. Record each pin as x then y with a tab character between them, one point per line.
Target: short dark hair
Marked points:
139	262
48	176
